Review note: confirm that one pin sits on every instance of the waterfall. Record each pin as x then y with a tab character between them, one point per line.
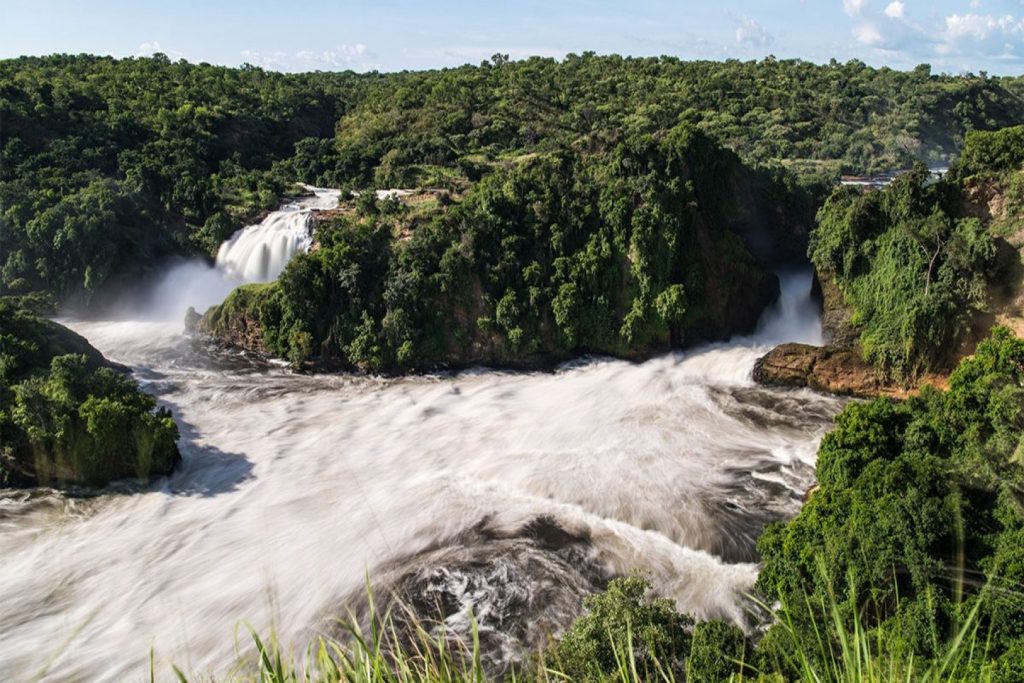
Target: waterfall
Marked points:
258	253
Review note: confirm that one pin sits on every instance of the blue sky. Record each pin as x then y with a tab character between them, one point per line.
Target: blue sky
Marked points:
951	35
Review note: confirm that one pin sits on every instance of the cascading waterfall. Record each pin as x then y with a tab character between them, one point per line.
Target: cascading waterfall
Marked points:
260	252
257	253
503	495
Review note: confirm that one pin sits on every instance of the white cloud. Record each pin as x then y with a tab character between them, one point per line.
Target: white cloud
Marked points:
961	41
356	56
854	7
752	33
152	47
868	34
894	10
983	34
981	26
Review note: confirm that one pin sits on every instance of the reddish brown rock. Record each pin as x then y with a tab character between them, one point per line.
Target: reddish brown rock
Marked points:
835	369
825	368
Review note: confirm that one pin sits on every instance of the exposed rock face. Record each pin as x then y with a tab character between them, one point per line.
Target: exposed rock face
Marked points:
837	370
232	323
825	368
985	200
835	313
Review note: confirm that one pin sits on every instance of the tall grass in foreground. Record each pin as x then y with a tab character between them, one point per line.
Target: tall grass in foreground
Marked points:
380	654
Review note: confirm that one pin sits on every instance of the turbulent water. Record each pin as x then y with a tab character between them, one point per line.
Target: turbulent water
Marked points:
259	253
508	494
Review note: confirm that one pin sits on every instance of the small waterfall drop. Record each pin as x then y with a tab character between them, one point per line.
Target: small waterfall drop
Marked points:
258	253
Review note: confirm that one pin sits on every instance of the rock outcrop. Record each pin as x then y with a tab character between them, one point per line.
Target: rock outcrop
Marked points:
835	369
825	368
836	314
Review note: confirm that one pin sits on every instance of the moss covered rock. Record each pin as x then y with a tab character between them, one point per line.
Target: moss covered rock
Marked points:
68	416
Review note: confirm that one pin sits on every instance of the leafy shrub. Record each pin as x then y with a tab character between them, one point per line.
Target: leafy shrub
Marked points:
597	645
992	151
918	500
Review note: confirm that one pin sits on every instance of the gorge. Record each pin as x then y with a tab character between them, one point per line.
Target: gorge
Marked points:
632	377
507	493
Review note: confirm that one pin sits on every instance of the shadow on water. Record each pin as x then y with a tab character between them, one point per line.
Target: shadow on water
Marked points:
205	470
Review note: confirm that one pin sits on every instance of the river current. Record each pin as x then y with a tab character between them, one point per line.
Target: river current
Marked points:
507	495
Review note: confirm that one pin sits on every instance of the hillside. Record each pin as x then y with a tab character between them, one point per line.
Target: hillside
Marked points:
109	167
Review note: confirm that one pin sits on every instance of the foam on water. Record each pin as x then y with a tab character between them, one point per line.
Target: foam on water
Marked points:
508	494
256	253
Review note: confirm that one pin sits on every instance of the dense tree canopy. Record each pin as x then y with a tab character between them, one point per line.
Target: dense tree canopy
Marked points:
108	166
921	261
625	251
918	521
67	417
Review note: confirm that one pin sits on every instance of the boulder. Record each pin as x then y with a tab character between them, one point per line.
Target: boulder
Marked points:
839	370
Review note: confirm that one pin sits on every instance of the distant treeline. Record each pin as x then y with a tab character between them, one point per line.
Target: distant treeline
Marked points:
109	166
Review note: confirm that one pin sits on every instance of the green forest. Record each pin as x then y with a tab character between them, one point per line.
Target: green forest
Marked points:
109	166
596	204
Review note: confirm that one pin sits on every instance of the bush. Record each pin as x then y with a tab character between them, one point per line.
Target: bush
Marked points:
598	644
917	500
992	151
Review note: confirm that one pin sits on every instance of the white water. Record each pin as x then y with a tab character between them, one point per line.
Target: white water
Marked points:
259	253
256	253
293	488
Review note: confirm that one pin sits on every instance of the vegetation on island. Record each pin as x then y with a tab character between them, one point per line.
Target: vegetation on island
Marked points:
67	416
624	252
916	528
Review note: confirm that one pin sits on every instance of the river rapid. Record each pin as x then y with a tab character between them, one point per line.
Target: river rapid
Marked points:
506	494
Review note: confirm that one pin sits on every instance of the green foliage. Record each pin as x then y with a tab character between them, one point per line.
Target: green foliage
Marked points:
993	151
915	273
718	653
66	417
623	631
109	166
918	520
622	252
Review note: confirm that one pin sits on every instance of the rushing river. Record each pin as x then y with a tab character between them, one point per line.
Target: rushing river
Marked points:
508	494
